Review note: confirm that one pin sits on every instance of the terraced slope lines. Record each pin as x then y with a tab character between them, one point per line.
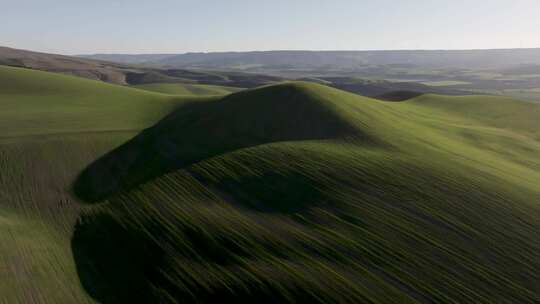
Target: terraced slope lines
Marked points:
51	127
302	193
290	193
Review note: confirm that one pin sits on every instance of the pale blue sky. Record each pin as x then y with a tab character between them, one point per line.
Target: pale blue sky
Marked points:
167	26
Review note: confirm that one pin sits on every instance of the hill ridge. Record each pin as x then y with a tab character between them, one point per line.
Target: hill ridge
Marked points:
292	111
404	197
234	199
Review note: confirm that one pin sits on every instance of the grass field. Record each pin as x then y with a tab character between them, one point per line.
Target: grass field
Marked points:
187	89
35	103
52	126
288	193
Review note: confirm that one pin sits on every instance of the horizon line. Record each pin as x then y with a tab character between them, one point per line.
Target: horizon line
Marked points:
280	50
312	50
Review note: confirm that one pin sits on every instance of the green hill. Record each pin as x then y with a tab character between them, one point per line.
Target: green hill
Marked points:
35	102
51	127
299	192
187	89
288	193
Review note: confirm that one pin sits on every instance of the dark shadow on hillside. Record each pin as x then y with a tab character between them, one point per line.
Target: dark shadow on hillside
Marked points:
269	192
202	130
120	263
114	263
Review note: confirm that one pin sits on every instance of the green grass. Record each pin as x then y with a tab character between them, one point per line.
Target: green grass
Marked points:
52	126
187	89
299	192
51	103
36	263
288	193
502	113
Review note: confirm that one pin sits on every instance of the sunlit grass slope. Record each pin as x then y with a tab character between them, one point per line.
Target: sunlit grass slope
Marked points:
187	89
51	127
288	193
34	102
302	193
497	112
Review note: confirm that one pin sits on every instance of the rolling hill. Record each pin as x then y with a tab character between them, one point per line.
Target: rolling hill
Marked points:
506	72
386	90
299	192
187	89
87	68
169	80
52	126
126	74
295	192
334	60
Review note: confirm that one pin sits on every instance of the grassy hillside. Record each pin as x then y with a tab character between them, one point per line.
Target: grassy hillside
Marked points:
303	193
387	90
287	193
187	89
35	102
87	68
51	127
126	74
497	112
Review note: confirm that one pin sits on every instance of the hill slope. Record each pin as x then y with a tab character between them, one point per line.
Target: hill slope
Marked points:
187	89
87	68
299	192
294	192
51	127
35	102
120	73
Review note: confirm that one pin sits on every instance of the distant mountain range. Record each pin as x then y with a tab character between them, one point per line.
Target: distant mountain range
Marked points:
129	58
131	70
512	72
125	73
332	60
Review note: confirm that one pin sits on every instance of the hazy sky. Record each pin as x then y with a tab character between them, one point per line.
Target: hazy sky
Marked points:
167	26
